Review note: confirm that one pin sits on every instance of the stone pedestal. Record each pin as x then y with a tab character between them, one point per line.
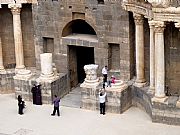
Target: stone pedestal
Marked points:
117	94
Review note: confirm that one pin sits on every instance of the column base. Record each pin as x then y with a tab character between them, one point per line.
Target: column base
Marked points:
140	84
160	100
23	74
2	70
160	96
151	90
18	68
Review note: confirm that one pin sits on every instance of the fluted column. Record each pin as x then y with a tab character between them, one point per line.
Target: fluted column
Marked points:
16	9
152	55
140	78
1	57
160	64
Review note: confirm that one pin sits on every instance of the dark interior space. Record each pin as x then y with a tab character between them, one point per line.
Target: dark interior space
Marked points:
85	55
79	27
172	60
132	46
78	57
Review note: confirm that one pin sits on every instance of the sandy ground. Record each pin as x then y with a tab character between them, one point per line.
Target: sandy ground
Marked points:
73	121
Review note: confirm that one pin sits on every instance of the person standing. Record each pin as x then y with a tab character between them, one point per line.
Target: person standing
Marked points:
56	105
104	72
21	105
102	100
34	91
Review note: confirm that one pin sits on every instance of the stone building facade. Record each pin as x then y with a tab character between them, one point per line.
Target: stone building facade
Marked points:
137	39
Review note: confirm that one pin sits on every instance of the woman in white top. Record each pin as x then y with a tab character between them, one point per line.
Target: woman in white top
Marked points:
102	100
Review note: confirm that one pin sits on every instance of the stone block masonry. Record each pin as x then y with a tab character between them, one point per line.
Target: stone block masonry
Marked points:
117	101
7	82
58	86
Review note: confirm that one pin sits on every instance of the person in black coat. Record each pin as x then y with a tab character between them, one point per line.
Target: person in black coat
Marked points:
21	104
34	91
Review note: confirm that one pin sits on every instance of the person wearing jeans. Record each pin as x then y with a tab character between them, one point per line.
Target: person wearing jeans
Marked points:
56	105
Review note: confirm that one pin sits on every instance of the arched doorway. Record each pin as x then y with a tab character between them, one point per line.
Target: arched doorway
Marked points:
81	34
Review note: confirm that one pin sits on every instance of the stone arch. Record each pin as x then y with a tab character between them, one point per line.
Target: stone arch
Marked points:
78	26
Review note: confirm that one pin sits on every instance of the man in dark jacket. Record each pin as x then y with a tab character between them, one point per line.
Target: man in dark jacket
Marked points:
56	105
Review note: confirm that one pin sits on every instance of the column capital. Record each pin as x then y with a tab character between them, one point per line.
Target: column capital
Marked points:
138	19
159	27
15	8
151	24
177	25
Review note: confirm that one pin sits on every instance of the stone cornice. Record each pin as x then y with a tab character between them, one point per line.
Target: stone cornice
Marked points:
139	9
167	14
17	1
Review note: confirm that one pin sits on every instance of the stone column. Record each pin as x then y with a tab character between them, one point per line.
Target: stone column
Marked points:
46	65
140	78
160	64
15	9
1	57
152	56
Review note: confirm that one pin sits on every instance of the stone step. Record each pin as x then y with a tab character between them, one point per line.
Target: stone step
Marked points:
73	99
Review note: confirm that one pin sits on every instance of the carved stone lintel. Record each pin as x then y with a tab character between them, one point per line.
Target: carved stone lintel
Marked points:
138	19
159	3
15	8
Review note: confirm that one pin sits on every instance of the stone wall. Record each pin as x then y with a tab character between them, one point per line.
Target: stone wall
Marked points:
118	101
109	21
166	112
28	36
7	37
7	82
146	49
58	86
132	46
142	99
172	63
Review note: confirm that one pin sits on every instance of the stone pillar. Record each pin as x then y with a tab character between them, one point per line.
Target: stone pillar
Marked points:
152	56
15	9
160	64
140	78
46	65
1	57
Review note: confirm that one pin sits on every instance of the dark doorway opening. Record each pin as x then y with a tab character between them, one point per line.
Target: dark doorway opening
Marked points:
79	57
85	55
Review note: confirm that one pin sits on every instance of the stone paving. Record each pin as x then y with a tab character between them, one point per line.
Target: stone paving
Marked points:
74	121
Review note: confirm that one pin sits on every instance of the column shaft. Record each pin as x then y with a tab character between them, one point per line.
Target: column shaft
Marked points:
160	63
140	78
15	9
1	56
152	56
